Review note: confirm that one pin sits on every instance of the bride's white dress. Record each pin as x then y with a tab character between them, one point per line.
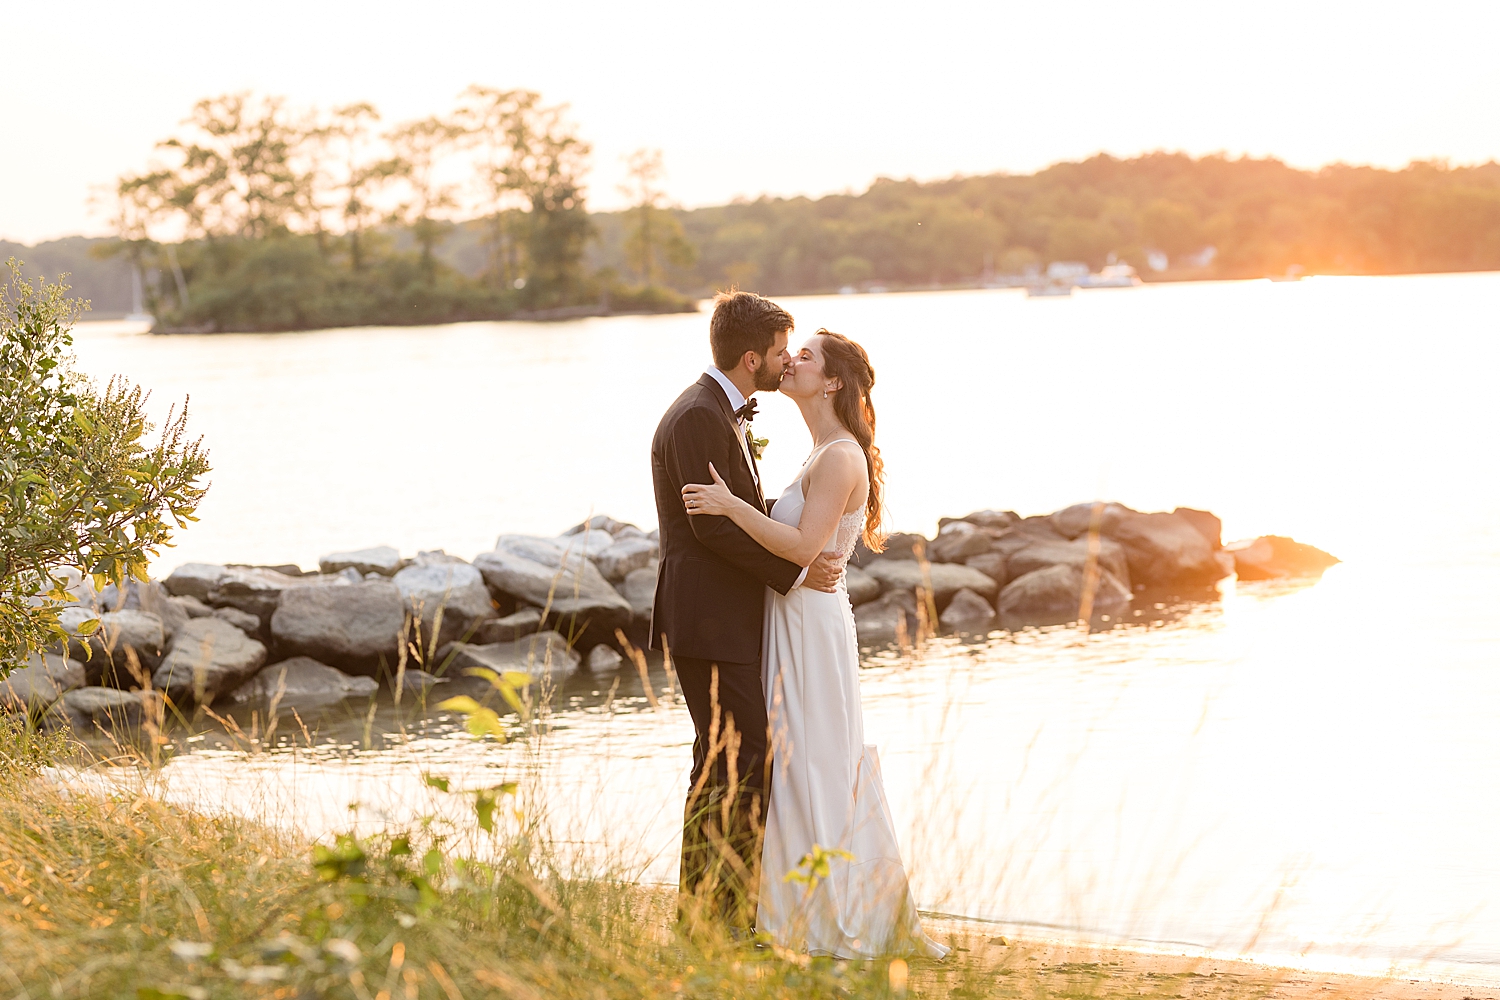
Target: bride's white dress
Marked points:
826	788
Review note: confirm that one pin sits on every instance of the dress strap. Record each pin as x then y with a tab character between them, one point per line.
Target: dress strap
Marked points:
816	451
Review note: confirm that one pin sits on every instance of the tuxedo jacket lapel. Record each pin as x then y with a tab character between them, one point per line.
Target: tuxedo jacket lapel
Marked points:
747	457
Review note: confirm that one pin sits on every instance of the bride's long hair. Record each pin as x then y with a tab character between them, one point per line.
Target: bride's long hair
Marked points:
847	361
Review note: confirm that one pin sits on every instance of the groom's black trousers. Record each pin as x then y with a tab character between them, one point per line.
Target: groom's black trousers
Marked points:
729	791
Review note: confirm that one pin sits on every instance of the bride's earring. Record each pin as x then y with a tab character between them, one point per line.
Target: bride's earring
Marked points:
825	392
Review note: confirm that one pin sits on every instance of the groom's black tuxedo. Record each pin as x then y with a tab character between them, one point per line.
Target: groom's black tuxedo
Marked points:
710	592
710	599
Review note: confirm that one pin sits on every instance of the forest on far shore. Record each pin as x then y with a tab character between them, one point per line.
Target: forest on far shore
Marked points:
1172	216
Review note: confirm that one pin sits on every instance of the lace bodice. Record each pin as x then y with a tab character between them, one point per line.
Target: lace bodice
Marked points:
788	510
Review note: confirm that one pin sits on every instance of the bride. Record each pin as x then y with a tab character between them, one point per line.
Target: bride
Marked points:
832	882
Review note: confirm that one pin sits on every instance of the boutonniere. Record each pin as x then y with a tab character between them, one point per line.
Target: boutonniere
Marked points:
757	445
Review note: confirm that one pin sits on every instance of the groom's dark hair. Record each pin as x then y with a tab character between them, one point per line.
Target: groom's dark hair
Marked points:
744	321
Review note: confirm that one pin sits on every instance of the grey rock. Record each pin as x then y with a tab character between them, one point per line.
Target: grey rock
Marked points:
625	556
351	627
1208	525
629	531
258	591
997	520
1070	522
601	524
590	544
893	615
191	607
1043	553
655	535
967	612
992	565
454	587
945	579
242	620
639	588
862	587
538	655
121	635
1274	557
901	545
80	588
419	682
208	657
45	678
1054	594
959	541
89	708
302	682
1164	550
577	594
194	580
382	559
436	557
603	658
524	622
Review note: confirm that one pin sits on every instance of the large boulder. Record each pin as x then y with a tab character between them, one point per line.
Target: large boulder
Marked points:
589	544
382	559
194	580
1054	594
79	587
995	520
89	708
958	541
1070	522
122	635
892	616
524	622
1165	550
354	627
1044	552
626	556
45	678
898	545
945	579
1208	525
968	612
150	597
599	524
209	656
242	620
1274	557
257	590
579	600
992	565
539	655
455	587
862	587
303	683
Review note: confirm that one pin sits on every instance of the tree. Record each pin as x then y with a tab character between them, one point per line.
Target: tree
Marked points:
80	486
490	118
656	233
417	148
349	134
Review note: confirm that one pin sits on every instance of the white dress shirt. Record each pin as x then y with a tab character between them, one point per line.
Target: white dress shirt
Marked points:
737	400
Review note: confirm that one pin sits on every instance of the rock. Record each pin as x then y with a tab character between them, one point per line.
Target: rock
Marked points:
891	616
242	620
600	524
639	589
603	658
90	708
80	588
382	559
419	682
537	655
191	607
1208	525
902	545
958	541
991	564
967	612
1043	553
258	591
45	678
1053	594
455	587
997	520
284	569
591	544
121	634
353	627
150	597
194	580
1070	522
1164	550
579	600
508	629
209	656
303	682
862	587
1272	557
437	557
630	531
946	579
655	535
626	556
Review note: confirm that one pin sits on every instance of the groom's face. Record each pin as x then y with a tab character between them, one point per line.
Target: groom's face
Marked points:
773	365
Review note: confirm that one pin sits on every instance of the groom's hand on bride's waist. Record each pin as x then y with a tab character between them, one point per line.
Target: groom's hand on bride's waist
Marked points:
824	572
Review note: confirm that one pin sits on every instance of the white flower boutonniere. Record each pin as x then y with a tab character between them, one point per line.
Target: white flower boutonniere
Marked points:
757	445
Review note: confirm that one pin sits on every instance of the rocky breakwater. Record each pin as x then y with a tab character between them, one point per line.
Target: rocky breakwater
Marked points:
997	569
238	635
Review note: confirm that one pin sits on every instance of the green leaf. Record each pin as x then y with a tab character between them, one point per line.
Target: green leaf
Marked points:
436	781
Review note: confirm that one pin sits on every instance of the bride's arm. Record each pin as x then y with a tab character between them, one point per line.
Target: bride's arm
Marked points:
828	484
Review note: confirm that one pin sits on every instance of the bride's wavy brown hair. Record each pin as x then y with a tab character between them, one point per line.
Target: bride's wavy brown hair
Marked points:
846	361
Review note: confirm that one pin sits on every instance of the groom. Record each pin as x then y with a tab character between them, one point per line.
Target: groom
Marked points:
710	598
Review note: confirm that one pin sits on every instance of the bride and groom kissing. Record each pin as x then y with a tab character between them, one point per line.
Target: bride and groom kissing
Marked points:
787	832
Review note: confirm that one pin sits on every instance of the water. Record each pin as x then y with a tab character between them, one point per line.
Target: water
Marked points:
1290	771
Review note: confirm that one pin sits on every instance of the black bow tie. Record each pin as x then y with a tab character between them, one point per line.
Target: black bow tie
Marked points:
746	412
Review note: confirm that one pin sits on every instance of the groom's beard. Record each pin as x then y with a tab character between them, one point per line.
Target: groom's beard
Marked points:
766	380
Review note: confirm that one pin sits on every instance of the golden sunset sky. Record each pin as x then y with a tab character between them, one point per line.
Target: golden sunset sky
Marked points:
770	97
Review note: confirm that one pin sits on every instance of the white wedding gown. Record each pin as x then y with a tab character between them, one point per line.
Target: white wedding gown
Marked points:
826	788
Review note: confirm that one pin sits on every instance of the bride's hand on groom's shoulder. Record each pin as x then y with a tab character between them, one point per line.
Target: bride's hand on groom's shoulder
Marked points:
714	498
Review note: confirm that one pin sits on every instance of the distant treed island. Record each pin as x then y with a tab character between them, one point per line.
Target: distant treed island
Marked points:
256	217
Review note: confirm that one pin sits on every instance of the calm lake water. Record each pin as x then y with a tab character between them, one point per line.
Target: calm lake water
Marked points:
1307	773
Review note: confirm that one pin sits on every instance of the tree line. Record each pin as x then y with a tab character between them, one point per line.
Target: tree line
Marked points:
258	216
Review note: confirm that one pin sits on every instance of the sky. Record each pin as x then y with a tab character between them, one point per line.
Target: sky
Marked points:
778	98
